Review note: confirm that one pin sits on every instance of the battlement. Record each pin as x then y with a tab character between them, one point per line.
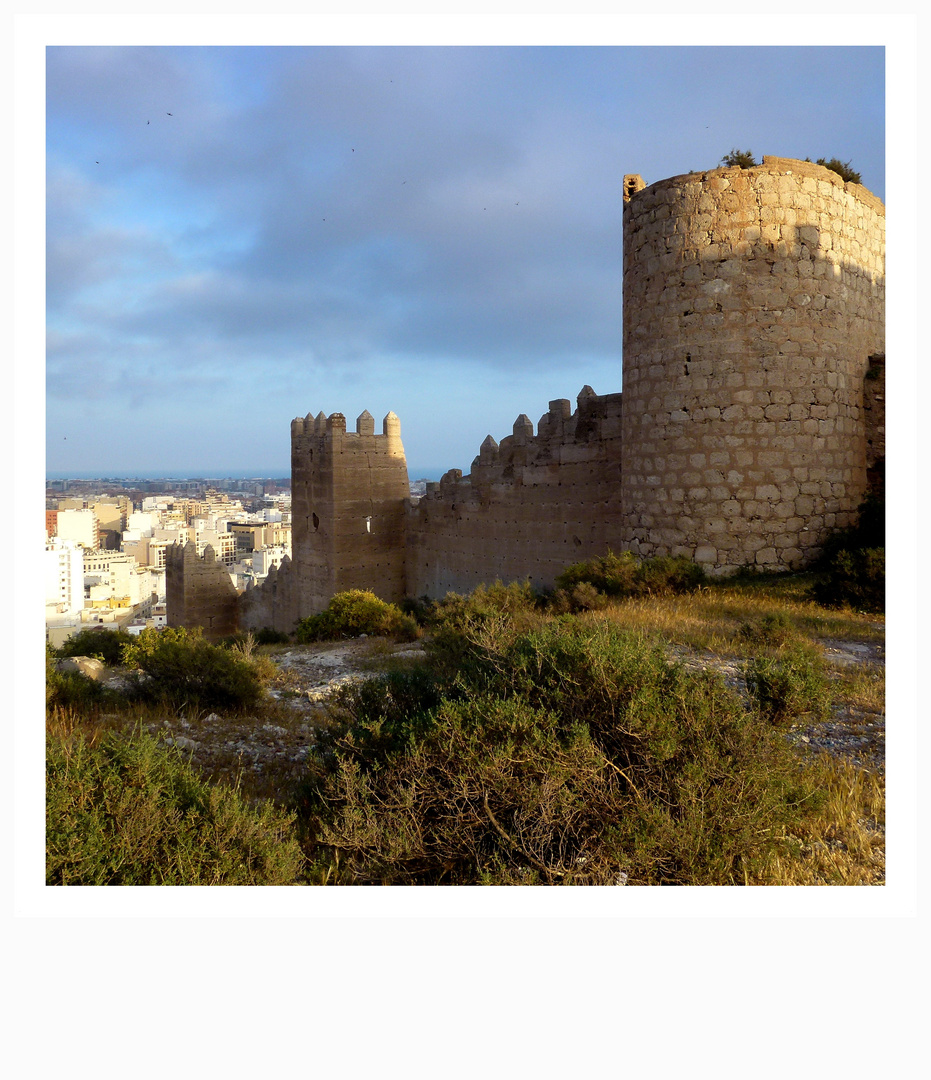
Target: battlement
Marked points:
332	429
347	503
533	503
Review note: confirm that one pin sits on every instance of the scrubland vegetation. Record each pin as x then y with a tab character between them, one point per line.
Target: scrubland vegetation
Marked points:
635	726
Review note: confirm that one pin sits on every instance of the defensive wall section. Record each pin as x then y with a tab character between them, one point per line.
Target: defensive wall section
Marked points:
199	591
531	506
751	424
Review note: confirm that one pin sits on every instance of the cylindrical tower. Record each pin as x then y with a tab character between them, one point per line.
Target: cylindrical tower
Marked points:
753	299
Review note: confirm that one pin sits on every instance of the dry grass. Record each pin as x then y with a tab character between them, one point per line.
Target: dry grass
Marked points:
713	617
845	842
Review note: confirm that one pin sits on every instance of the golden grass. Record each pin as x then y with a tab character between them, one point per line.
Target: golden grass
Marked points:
844	843
713	617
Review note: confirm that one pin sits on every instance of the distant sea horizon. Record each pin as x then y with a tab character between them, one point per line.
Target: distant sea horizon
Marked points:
205	474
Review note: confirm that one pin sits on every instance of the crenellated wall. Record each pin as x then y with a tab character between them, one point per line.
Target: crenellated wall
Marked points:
532	505
347	509
199	591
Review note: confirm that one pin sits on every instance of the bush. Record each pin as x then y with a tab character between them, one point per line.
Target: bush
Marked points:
852	566
624	574
741	158
842	168
353	613
855	578
127	812
178	666
267	636
458	623
104	645
571	754
775	630
790	686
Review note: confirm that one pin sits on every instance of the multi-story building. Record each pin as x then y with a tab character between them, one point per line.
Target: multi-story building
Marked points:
147	551
79	525
116	575
264	558
64	577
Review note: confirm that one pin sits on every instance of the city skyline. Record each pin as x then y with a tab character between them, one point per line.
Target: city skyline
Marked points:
237	236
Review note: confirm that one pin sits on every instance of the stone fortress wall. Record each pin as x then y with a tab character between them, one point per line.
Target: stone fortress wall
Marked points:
751	419
199	591
530	507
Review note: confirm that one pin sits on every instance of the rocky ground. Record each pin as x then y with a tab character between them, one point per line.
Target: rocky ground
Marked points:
307	673
264	756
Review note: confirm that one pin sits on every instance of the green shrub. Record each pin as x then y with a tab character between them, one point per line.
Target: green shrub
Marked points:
742	158
854	578
104	645
842	168
179	666
127	812
570	754
353	613
791	685
459	624
267	636
517	601
624	574
852	566
387	713
775	630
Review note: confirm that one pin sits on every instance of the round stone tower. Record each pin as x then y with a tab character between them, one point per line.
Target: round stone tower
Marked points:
753	300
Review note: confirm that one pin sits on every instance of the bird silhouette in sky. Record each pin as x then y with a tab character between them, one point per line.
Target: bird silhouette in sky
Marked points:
169	114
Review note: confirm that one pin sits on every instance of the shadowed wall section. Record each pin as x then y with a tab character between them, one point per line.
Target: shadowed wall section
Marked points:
531	506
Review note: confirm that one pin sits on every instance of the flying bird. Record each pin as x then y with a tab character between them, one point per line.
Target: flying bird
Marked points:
169	114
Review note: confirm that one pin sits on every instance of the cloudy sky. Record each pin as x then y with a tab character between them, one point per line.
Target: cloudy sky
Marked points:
240	235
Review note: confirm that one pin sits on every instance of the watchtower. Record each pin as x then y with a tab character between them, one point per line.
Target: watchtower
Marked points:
348	491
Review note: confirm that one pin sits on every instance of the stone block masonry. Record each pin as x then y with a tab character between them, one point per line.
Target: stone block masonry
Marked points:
200	592
753	300
530	507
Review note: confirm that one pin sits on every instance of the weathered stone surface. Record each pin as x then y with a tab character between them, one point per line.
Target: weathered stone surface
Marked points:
84	665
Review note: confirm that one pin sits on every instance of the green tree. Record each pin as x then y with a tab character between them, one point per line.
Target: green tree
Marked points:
842	168
741	158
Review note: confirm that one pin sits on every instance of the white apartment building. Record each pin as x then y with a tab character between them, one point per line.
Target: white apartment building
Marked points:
79	525
141	523
147	551
64	577
111	576
264	558
223	544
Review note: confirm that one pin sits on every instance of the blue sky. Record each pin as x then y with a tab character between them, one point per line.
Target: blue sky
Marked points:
430	230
